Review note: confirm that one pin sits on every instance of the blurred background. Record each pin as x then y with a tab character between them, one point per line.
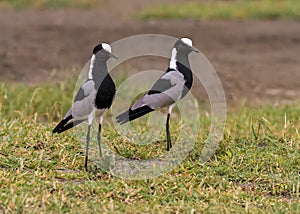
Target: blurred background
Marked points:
253	45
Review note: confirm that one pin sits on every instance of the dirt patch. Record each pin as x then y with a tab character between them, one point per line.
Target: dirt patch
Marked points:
257	61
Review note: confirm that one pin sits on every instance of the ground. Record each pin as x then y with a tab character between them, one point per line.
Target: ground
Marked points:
257	61
254	170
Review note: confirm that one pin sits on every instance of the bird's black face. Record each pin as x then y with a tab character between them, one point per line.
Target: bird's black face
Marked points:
184	45
97	48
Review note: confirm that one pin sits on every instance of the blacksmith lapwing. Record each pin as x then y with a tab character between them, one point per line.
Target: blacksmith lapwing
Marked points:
173	85
93	98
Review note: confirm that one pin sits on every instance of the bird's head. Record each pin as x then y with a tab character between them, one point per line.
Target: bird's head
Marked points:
103	50
185	45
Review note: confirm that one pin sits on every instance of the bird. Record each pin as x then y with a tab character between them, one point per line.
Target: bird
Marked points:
173	85
94	97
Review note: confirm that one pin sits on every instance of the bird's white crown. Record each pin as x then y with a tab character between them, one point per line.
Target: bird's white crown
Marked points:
106	47
187	41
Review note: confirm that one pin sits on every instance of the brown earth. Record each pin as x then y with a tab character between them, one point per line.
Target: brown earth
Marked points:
257	61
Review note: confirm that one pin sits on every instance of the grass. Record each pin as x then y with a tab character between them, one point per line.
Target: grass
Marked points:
256	168
42	4
225	10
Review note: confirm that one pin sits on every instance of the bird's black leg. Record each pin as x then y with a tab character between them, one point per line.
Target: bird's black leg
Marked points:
99	140
169	144
87	147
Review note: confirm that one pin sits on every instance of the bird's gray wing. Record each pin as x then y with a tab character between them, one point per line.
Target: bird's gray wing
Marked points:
160	86
164	92
84	90
83	102
81	108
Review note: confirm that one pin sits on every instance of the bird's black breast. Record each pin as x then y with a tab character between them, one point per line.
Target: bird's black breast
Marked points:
188	76
106	93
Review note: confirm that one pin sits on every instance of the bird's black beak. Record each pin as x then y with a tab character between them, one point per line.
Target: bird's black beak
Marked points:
113	56
194	49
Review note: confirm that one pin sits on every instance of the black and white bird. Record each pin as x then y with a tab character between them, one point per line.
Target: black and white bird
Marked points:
93	98
173	85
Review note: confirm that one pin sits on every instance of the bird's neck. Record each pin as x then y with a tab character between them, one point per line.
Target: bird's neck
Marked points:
180	62
177	58
98	69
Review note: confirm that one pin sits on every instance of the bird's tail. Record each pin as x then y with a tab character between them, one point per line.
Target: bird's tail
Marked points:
130	115
65	124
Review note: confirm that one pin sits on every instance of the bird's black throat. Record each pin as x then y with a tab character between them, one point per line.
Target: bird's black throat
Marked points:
183	66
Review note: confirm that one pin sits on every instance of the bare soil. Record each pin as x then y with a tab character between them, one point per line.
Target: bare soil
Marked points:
257	61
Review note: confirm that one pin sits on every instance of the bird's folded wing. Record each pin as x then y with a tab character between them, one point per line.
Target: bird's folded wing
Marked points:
160	86
82	103
166	81
164	92
85	90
